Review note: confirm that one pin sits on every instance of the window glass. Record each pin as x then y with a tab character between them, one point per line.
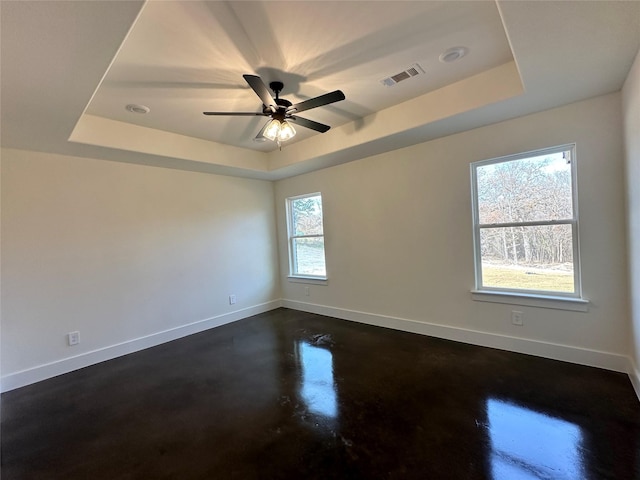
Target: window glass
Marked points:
525	223
309	255
531	258
306	236
307	215
527	189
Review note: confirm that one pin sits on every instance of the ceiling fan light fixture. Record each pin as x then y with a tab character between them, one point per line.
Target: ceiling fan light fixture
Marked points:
287	132
279	131
273	130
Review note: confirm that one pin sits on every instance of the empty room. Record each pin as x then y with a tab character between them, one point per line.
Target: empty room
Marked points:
320	240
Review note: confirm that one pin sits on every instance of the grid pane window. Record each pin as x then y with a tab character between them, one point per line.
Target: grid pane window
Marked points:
525	223
306	236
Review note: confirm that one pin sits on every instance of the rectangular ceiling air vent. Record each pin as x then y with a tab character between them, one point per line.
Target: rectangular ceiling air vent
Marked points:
412	71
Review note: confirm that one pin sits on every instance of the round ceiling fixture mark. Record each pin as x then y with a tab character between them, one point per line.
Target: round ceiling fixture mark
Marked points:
141	109
453	54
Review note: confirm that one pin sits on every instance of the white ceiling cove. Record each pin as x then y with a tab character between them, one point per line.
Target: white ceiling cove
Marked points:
69	69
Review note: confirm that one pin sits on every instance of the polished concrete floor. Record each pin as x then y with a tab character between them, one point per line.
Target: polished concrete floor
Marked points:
291	395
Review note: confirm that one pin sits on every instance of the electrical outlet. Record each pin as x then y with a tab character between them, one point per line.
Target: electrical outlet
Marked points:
306	291
516	317
73	338
232	299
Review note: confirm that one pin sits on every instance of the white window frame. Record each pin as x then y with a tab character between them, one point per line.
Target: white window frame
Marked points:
516	296
293	275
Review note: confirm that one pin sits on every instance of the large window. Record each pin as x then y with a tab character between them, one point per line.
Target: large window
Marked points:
526	223
306	236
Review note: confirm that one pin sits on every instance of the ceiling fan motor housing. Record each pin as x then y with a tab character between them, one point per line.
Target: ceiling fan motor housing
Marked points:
281	112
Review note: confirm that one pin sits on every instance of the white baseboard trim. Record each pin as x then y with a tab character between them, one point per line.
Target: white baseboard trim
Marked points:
42	372
634	376
593	358
566	353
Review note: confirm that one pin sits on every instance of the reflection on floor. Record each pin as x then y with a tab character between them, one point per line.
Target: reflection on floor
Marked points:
318	388
528	445
291	395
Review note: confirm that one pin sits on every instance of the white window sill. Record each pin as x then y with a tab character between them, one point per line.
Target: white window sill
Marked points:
310	280
532	300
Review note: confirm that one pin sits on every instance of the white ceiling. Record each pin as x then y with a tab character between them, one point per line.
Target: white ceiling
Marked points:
70	68
185	57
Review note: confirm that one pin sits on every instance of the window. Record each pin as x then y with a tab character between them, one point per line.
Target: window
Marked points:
526	224
306	236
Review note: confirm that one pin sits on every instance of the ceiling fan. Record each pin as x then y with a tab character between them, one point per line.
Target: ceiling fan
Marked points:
282	112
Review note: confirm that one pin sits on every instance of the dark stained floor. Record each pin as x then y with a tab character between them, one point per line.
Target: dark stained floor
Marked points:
292	395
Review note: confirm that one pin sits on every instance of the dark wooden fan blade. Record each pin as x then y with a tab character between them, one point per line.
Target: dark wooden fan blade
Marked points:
325	99
239	114
318	127
261	90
